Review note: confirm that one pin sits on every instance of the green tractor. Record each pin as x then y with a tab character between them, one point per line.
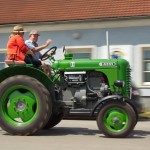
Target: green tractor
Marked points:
30	100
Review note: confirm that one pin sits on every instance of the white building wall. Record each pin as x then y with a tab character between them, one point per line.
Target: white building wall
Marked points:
126	36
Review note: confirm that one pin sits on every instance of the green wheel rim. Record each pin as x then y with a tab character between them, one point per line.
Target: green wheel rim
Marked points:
115	119
19	105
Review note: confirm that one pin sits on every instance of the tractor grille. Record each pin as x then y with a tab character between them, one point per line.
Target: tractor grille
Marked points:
128	80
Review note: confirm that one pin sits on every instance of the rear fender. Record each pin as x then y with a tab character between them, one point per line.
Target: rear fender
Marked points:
29	71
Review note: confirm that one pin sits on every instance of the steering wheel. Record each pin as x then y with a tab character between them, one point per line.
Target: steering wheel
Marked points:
49	53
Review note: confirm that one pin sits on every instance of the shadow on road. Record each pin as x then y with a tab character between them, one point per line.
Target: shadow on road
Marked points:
61	131
139	134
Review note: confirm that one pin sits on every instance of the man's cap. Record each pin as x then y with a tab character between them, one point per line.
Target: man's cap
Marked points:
18	28
34	32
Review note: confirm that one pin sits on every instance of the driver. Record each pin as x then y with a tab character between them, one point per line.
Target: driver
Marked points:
33	45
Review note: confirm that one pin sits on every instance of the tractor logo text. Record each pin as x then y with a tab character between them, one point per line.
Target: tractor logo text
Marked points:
107	64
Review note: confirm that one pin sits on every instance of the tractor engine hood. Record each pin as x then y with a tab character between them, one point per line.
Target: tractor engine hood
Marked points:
87	64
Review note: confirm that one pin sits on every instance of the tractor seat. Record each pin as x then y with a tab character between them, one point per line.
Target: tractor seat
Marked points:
11	62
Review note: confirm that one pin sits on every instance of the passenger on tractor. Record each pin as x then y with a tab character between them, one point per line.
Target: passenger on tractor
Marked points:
33	45
18	51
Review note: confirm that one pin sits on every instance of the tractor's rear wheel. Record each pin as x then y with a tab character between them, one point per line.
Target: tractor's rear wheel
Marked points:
54	120
25	105
116	119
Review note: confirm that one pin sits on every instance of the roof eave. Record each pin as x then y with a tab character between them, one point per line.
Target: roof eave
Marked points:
81	20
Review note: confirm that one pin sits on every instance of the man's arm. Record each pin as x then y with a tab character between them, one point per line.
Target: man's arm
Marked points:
39	48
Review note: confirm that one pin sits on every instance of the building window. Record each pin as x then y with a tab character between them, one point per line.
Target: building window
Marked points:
2	59
82	52
81	55
146	65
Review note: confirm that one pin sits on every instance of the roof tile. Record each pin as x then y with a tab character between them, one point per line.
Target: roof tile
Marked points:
24	11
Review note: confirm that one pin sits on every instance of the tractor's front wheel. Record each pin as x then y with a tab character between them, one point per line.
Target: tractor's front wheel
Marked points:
116	119
25	105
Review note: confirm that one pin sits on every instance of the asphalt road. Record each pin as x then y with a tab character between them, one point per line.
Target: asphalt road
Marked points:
77	135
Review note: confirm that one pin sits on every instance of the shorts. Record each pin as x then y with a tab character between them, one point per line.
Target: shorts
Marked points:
30	60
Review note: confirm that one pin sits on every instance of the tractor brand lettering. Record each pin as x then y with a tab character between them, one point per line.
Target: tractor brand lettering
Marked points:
107	64
72	64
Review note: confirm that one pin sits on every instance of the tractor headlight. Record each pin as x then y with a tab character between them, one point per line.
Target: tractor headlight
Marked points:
119	83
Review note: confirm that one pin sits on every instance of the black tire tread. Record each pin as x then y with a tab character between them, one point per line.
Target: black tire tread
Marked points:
131	114
42	120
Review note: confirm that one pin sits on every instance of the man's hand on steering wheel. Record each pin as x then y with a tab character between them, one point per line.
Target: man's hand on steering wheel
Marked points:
53	52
